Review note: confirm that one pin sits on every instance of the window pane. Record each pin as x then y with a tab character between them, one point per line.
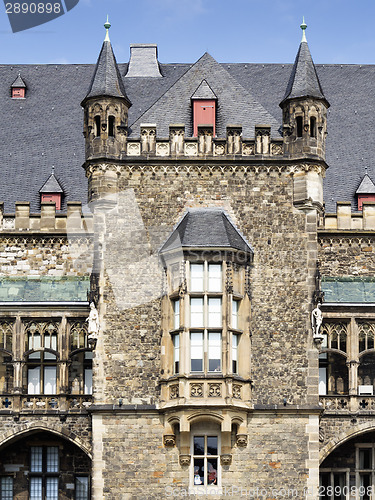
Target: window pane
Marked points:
214	278
50	341
198	471
196	277
214	312
212	471
196	351
235	314
7	488
88	380
214	352
322	381
36	458
196	312
176	353
50	380
52	488
212	445
198	445
82	488
365	458
35	488
33	380
52	459
176	310
34	343
234	353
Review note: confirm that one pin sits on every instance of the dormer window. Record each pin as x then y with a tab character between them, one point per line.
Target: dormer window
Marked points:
18	88
51	191
204	108
365	192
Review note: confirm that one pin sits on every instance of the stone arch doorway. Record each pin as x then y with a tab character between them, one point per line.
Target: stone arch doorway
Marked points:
348	472
40	465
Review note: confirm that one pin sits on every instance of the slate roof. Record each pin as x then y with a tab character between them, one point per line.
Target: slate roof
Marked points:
204	91
46	128
206	228
366	186
106	80
51	185
303	81
18	83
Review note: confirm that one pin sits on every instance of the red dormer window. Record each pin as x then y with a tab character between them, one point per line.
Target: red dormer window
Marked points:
56	197
204	112
18	93
364	199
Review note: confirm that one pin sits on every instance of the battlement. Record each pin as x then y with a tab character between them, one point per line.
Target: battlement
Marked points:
345	219
47	220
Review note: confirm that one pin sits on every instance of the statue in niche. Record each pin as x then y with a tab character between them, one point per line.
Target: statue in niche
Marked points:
316	319
93	319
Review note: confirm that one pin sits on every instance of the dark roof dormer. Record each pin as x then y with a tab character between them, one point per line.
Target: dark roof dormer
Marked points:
204	107
365	191
18	88
51	191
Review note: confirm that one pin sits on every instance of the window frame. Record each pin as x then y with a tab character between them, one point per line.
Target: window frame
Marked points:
201	431
44	474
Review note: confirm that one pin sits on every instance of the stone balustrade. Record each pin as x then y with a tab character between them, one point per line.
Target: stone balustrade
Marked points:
347	404
43	403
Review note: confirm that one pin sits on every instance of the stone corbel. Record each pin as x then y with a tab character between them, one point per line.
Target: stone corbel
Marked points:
184	460
241	440
226	459
169	440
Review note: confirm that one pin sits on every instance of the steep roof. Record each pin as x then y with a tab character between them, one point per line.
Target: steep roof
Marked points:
18	82
303	81
106	80
235	104
366	186
206	228
51	185
204	91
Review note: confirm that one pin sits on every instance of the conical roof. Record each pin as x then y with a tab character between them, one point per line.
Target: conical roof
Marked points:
304	81
107	80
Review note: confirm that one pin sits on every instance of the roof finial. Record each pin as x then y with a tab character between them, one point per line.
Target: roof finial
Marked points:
107	25
53	170
303	28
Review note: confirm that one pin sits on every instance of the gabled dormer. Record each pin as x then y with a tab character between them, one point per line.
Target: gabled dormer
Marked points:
51	191
204	108
18	88
365	191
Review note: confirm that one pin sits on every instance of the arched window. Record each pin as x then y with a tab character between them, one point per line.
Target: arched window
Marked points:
111	126
313	126
97	126
299	126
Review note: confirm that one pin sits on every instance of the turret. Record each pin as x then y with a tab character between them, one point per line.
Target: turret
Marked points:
106	108
304	108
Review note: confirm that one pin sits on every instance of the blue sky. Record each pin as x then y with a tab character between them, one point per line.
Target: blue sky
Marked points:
339	31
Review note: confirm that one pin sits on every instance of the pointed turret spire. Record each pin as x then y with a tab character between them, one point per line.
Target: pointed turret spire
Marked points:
304	81
107	80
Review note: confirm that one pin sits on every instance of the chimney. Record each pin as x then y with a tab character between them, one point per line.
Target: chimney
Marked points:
143	60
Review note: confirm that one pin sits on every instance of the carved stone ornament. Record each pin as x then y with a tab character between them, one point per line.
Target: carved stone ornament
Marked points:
226	459
169	440
196	390
236	391
174	392
241	440
184	459
214	390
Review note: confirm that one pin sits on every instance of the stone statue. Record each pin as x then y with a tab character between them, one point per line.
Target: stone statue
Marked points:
316	319
93	319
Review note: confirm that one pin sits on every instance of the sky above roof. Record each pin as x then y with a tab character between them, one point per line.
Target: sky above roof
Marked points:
339	31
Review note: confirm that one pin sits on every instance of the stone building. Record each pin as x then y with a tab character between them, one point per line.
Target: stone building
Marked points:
212	216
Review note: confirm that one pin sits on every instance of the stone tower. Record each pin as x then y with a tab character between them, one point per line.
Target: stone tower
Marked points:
304	108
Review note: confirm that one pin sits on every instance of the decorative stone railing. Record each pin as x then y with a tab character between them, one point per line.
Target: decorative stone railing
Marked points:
345	219
62	403
347	404
207	391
